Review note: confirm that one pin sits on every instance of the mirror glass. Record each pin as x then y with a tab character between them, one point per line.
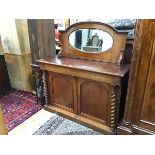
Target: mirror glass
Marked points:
91	40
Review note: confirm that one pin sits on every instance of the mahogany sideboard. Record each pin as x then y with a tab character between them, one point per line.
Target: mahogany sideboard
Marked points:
86	86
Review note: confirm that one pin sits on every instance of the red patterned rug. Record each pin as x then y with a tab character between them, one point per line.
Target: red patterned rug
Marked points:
18	106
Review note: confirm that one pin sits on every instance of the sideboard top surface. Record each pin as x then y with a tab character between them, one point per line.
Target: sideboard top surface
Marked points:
88	65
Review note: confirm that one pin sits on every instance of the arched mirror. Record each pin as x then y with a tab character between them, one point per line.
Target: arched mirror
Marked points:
91	40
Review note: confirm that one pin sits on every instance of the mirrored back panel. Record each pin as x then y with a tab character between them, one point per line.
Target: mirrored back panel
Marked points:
91	40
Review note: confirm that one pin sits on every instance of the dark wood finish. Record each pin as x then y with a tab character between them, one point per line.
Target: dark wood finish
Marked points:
5	85
87	65
33	38
111	55
93	99
85	90
42	45
72	80
38	83
46	38
139	116
128	51
35	68
41	36
63	91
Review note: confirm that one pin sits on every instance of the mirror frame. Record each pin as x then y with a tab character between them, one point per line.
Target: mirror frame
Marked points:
111	55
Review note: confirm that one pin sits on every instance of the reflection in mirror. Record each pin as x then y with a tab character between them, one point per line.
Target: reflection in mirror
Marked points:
91	40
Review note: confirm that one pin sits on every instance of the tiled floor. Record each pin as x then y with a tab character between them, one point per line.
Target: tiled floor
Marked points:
32	124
